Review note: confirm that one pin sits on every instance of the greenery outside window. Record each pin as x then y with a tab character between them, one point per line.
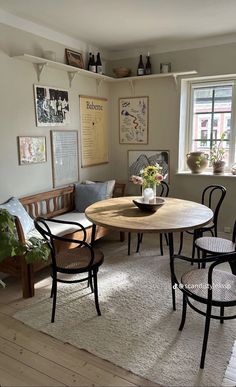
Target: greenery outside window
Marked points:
208	109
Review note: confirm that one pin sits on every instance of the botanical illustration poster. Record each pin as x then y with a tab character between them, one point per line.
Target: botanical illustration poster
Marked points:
139	159
32	150
64	157
133	120
51	106
94	131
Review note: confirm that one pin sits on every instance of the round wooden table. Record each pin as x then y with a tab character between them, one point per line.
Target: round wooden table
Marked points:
175	215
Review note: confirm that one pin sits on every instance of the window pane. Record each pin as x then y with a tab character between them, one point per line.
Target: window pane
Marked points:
211	117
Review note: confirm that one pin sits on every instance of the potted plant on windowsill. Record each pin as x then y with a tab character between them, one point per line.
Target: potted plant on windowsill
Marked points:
217	156
34	249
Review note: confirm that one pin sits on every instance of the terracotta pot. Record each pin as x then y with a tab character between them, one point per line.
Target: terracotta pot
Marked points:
218	167
197	161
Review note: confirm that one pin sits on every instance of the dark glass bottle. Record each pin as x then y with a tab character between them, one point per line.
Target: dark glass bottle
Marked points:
148	68
92	66
140	69
98	64
89	61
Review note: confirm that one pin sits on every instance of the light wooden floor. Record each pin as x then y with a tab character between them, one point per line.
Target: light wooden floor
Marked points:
32	358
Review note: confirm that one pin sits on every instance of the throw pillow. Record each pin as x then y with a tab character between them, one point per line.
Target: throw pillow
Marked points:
87	194
110	187
15	208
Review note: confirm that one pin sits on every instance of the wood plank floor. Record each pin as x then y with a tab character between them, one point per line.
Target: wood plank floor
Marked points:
31	358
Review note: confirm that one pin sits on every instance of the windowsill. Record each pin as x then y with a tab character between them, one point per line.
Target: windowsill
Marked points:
208	174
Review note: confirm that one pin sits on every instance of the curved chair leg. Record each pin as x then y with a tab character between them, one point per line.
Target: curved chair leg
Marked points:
206	333
161	244
222	314
90	281
96	291
166	238
181	242
184	310
129	242
54	300
139	241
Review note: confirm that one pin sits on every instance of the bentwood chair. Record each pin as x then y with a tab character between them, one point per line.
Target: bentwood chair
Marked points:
163	189
211	287
212	197
82	259
214	245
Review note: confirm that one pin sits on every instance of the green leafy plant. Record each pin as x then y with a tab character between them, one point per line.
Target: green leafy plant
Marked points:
34	249
217	152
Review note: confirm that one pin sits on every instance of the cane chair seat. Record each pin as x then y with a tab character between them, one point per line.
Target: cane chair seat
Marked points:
215	245
223	284
78	258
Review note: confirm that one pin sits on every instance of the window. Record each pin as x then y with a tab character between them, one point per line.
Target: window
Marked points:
209	112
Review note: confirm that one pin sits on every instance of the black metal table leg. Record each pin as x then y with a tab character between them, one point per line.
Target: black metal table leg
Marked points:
171	253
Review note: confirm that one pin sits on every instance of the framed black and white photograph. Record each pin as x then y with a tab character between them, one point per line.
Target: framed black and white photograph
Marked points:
51	106
139	159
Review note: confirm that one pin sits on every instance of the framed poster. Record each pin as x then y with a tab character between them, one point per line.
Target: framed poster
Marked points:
74	58
51	106
94	132
139	159
31	149
133	120
64	157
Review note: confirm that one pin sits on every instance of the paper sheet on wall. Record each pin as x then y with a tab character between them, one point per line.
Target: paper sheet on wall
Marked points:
64	157
94	133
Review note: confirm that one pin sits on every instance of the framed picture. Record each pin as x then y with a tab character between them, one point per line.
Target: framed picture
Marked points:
94	130
51	106
139	159
32	150
133	120
74	58
165	68
65	159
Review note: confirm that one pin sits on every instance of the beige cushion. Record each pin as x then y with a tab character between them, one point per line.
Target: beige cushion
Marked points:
63	229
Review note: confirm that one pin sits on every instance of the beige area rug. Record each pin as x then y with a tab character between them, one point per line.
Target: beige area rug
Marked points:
138	329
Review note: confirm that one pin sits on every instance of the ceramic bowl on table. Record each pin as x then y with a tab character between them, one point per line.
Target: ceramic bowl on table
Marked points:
152	206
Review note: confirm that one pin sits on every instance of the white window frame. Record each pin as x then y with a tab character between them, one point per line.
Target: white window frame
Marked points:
186	115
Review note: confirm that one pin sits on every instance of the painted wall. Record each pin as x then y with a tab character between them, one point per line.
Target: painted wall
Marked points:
164	99
17	113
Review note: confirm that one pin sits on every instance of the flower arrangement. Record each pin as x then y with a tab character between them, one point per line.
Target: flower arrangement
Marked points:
149	176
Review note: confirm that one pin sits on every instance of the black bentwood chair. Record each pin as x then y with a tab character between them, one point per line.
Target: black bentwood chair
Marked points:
212	287
213	245
82	258
163	189
212	197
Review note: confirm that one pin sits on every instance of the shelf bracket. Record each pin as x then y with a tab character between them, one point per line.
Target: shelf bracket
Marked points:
98	83
71	75
39	69
131	83
175	80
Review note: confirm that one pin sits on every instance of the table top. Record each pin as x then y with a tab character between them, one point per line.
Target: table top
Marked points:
174	215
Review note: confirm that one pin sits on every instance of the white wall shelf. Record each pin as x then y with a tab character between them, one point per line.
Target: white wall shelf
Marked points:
41	63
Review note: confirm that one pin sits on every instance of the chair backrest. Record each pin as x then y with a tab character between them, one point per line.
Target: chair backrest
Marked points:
163	189
43	228
213	196
234	233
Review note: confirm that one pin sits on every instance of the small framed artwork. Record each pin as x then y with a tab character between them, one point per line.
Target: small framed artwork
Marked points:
32	149
133	120
139	159
51	106
74	58
65	162
165	68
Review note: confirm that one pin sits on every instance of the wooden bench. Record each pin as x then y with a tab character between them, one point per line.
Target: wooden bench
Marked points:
48	205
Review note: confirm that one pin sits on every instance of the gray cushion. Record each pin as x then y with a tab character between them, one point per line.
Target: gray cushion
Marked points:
87	194
15	208
110	187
